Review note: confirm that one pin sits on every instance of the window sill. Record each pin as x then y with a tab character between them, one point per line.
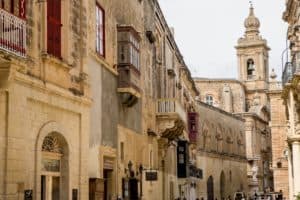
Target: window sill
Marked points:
54	60
100	59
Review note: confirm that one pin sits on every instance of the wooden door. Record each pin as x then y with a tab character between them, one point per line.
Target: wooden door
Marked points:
210	188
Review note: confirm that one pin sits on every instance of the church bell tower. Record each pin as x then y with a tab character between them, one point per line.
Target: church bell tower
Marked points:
253	59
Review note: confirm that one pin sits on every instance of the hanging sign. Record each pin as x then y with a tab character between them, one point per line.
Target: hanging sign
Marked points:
151	176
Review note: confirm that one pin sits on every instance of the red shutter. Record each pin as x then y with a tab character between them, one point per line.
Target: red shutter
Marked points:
193	126
54	27
22	8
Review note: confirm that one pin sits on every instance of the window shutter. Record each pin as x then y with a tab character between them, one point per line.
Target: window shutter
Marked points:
54	28
193	126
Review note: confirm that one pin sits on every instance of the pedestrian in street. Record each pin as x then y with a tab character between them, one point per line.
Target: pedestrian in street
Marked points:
280	195
255	196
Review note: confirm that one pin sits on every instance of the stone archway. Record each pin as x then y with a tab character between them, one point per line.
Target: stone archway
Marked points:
210	188
52	158
222	185
54	167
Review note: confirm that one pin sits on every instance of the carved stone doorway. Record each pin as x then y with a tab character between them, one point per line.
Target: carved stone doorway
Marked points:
54	173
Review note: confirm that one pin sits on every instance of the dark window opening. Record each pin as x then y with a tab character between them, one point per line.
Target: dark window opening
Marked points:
250	68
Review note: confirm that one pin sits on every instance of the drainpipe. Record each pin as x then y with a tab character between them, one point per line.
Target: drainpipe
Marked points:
163	177
81	70
6	144
81	85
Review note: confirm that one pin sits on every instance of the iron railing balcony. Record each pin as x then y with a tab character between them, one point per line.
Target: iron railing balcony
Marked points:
288	73
12	33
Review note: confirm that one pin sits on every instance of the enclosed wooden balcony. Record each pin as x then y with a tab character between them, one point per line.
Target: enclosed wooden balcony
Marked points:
128	65
128	84
129	78
13	30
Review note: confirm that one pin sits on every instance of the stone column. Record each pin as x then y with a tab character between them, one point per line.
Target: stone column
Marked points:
296	166
291	182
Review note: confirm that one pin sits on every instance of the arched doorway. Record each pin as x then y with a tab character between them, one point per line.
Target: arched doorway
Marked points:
210	188
54	168
222	186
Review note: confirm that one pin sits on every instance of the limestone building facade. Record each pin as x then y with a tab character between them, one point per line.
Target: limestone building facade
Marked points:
45	101
221	153
247	97
142	92
97	103
290	79
278	127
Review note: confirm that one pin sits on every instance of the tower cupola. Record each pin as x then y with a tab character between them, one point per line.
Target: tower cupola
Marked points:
252	23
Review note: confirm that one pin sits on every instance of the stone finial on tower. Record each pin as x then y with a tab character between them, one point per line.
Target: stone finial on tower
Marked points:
273	75
252	23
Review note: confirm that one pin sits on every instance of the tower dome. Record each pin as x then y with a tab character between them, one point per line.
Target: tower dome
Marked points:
252	23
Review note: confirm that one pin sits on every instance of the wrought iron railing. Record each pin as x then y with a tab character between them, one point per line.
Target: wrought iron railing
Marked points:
288	73
171	106
12	33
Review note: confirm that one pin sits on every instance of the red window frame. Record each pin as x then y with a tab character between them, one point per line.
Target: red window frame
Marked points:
100	30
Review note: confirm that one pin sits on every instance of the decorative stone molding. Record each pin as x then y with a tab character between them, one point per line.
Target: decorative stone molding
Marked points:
175	131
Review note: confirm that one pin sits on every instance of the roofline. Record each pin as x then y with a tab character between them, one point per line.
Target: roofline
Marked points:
221	111
201	79
171	36
249	114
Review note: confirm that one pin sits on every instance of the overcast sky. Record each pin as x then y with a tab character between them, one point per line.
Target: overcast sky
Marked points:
207	31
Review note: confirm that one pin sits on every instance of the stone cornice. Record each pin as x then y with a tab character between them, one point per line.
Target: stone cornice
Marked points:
243	43
222	156
252	115
220	111
293	138
50	88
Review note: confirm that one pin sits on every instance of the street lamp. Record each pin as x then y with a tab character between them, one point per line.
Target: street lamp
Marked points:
141	168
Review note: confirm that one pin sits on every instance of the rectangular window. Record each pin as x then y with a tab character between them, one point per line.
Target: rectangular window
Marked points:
100	31
54	28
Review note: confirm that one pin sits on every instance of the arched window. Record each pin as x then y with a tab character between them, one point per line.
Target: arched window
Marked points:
209	99
210	188
250	68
